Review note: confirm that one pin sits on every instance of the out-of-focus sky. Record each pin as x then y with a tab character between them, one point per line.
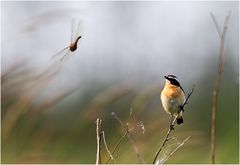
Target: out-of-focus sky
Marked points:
119	39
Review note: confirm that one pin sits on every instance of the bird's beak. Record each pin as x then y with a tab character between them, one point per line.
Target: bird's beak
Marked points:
165	77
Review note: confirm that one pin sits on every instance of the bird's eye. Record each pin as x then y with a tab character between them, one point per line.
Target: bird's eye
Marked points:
174	82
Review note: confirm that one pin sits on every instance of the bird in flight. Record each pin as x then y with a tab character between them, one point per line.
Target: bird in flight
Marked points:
75	37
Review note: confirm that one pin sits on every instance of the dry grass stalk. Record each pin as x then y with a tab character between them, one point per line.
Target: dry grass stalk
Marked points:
98	138
127	134
105	144
217	83
180	145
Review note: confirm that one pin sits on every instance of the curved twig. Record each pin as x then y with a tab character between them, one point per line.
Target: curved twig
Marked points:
105	143
180	145
127	133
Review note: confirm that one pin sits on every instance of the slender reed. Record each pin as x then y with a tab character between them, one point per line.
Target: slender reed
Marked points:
222	36
98	138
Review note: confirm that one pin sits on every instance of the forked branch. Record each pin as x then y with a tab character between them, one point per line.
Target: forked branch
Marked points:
180	145
126	134
217	82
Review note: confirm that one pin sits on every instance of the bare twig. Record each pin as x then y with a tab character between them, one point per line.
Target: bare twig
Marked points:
98	138
216	24
172	121
129	136
130	115
180	145
116	146
105	143
217	84
186	101
127	133
140	124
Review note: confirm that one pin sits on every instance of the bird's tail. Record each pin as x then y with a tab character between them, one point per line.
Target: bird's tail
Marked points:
180	118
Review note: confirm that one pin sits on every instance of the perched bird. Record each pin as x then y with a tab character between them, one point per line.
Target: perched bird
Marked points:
173	98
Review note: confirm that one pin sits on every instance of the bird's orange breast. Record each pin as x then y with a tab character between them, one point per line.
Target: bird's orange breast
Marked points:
171	91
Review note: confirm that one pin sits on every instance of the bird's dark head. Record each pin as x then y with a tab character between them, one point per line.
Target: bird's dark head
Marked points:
172	79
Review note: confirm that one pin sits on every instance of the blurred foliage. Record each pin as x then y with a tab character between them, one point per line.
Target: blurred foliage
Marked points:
61	128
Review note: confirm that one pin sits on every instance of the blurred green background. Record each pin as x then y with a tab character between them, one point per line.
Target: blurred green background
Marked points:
49	108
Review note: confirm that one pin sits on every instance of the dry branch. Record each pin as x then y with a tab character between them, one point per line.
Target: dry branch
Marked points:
126	134
98	138
217	83
105	143
216	24
173	119
180	145
186	101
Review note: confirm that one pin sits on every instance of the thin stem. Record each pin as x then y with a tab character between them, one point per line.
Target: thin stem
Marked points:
130	115
116	146
217	84
186	101
216	24
105	143
180	145
127	133
173	119
98	138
